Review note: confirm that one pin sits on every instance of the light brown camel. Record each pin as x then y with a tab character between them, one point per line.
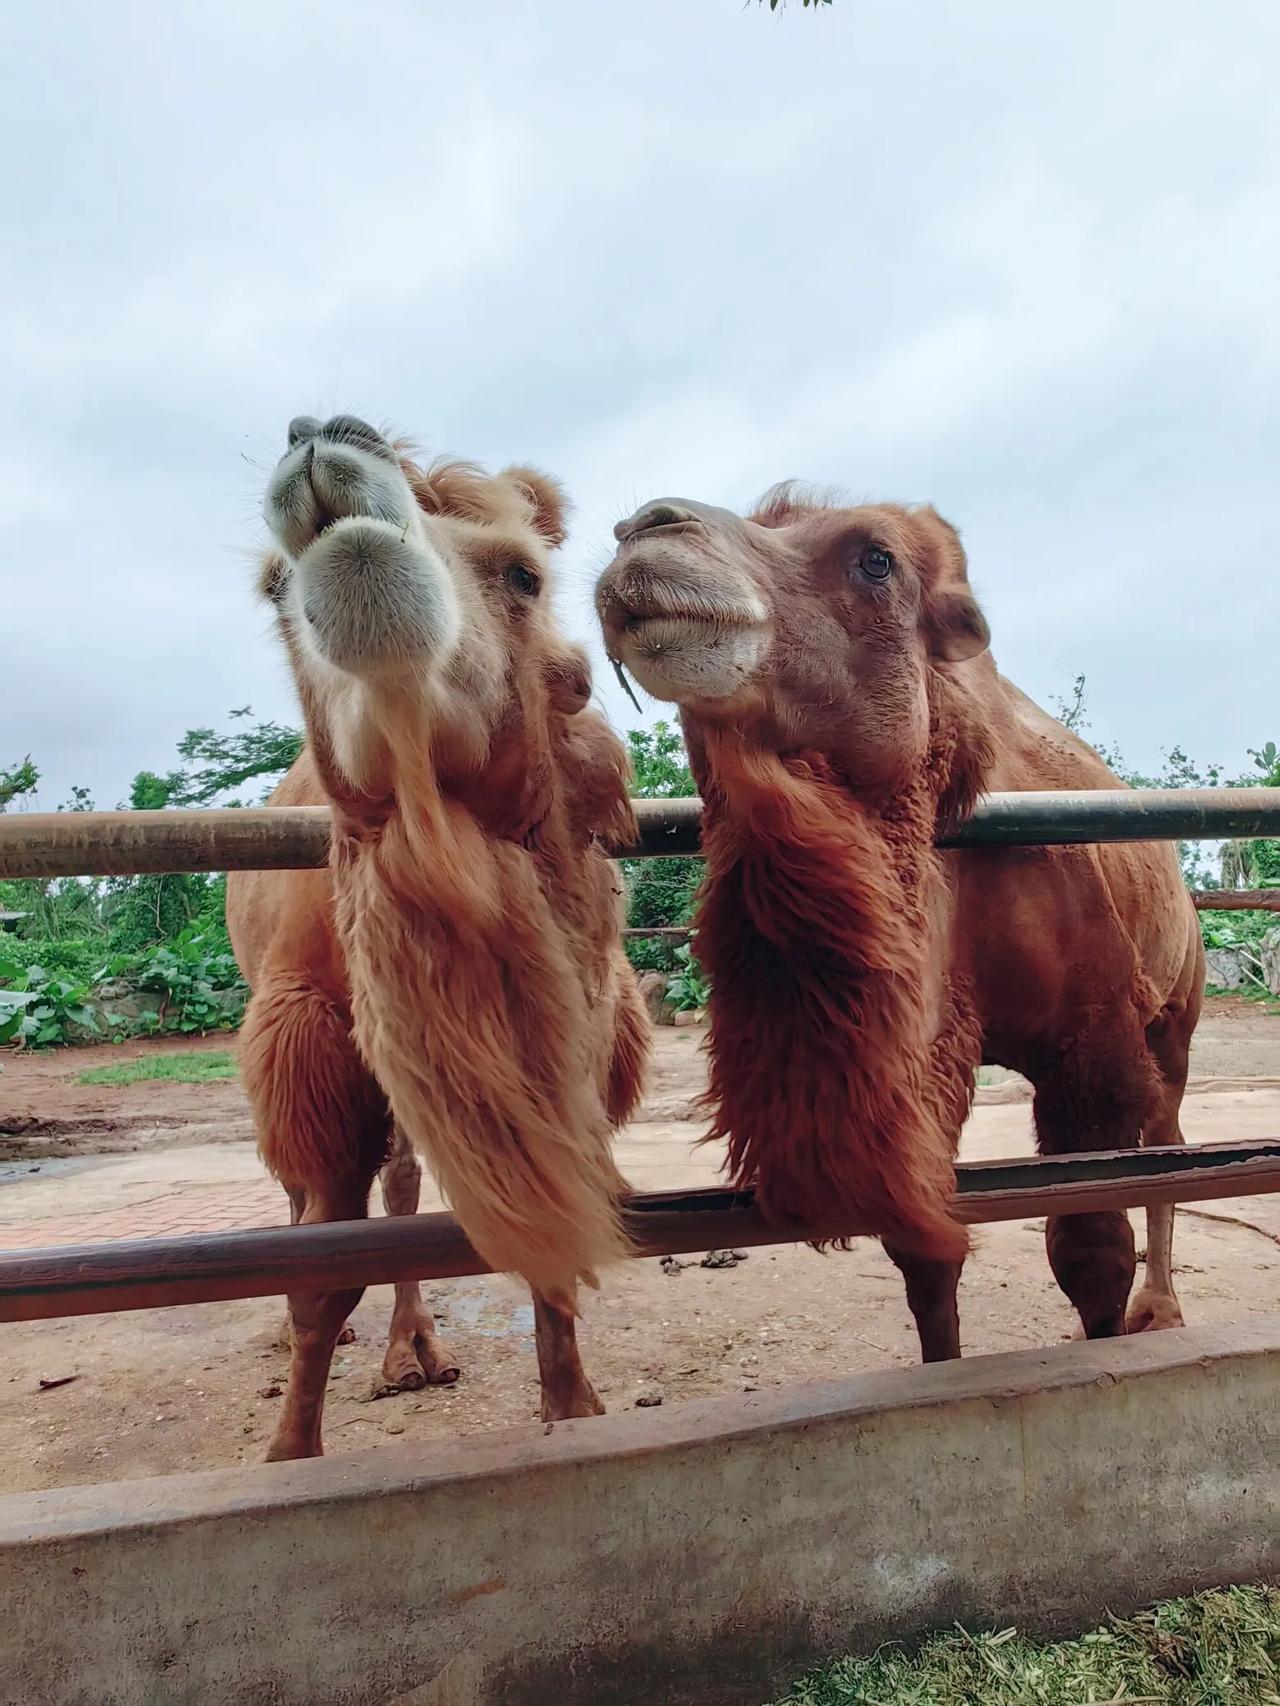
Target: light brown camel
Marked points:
841	706
457	972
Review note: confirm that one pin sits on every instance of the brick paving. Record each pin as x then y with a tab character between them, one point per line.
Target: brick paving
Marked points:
166	1214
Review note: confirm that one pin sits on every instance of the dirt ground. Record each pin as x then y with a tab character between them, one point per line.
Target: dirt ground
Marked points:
176	1389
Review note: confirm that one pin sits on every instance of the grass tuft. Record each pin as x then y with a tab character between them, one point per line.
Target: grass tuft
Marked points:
165	1068
1218	1649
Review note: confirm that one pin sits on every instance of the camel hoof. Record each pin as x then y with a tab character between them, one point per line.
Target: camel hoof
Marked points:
1153	1313
411	1366
290	1451
439	1371
585	1402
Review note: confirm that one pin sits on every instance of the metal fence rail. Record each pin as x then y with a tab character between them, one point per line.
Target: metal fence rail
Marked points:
261	838
153	1273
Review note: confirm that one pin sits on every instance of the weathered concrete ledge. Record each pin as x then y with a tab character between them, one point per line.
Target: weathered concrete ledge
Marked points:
698	1553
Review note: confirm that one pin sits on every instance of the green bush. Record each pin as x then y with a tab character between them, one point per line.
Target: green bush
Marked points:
39	1007
1242	932
190	972
143	911
76	957
687	988
45	1002
659	891
651	953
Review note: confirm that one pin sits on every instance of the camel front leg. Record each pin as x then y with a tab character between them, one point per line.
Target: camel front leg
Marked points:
931	1297
1155	1304
316	1319
284	1337
415	1355
566	1391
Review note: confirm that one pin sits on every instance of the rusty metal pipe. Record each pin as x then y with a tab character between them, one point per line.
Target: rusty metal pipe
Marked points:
155	1273
268	838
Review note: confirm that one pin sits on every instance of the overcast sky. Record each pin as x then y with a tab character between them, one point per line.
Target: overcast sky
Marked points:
1019	260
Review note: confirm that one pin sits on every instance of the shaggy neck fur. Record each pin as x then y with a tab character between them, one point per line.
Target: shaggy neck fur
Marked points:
486	983
839	1077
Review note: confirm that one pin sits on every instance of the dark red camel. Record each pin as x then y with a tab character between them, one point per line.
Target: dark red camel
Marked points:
841	706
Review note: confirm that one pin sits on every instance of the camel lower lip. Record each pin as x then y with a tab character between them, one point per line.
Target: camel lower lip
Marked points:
661	632
689	627
687	661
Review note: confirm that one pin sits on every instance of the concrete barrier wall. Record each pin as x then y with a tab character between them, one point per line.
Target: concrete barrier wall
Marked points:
701	1553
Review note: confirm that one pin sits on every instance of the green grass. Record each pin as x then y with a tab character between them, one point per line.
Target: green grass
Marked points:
167	1068
1219	1649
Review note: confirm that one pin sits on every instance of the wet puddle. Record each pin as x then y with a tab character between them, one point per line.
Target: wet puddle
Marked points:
480	1307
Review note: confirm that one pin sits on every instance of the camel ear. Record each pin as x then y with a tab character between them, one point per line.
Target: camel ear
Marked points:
955	629
547	500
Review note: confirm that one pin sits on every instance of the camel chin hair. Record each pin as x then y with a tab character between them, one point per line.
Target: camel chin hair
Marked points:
806	933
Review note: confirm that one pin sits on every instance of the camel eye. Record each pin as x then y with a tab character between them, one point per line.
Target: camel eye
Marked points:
523	579
877	563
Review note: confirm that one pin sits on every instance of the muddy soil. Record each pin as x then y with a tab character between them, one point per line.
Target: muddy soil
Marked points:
46	1111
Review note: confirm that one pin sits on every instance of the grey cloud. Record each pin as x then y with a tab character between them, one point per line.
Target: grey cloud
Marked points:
1020	264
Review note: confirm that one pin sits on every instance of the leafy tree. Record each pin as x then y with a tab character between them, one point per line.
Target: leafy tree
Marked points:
213	764
1241	864
15	782
20	779
1070	711
659	766
659	891
1255	864
149	793
131	914
53	908
144	911
148	910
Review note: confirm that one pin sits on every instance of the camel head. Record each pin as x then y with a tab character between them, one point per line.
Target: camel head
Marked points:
804	626
415	603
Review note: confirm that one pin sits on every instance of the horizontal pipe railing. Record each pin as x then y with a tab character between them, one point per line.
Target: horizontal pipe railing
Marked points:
1236	900
1054	818
267	838
154	1273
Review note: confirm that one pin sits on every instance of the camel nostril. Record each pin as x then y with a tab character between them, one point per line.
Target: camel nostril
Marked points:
660	514
302	428
350	429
